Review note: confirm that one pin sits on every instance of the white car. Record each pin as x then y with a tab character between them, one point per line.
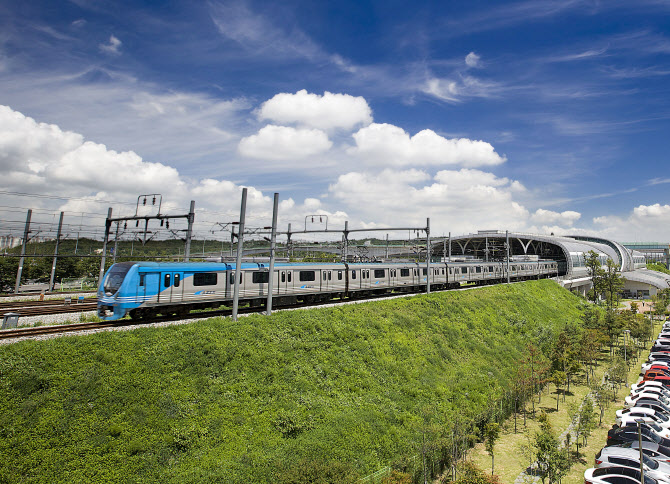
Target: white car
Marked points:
610	475
630	400
650	449
617	456
646	384
646	366
650	422
640	412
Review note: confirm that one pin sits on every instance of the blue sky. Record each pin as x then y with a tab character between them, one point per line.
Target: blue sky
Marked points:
540	116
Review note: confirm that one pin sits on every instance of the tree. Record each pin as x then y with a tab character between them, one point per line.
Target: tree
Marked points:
602	396
611	284
552	463
491	434
593	266
558	378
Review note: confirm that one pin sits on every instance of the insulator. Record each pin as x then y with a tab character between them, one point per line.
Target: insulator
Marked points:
162	221
320	219
125	225
144	202
167	224
153	202
137	223
312	219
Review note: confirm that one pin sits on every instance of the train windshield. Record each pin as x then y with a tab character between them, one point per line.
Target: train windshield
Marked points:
115	277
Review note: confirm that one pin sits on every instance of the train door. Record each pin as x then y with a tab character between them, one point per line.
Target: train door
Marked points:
326	280
147	287
177	293
285	284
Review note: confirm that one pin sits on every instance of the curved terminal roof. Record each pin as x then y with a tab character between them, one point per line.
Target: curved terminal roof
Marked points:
569	251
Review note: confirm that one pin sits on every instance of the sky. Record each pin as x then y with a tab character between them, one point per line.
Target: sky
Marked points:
533	116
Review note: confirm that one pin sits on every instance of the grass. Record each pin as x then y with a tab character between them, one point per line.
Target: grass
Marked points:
293	397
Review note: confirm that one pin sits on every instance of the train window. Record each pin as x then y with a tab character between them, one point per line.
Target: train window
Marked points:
367	274
490	268
141	279
443	271
424	271
176	280
353	274
478	269
464	270
210	278
330	275
379	273
451	270
415	272
404	272
513	268
166	283
283	276
288	274
306	276
324	275
260	277
339	275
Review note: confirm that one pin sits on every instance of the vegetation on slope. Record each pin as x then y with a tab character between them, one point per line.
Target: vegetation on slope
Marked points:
658	267
330	393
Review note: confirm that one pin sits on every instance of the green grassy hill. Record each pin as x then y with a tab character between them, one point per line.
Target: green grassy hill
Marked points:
332	393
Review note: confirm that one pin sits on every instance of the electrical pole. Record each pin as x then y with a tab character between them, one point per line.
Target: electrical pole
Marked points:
273	243
108	224
428	255
26	231
507	247
53	266
238	264
189	231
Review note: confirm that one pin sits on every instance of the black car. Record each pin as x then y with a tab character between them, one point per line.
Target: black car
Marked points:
621	435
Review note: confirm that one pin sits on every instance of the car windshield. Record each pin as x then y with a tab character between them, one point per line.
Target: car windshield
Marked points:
115	276
652	464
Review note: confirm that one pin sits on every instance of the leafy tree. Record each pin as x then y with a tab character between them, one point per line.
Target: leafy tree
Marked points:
551	462
8	269
602	394
595	270
491	434
587	421
471	474
558	378
611	284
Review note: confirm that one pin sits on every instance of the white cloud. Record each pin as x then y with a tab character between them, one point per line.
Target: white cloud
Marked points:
112	47
564	219
284	143
388	145
456	90
324	112
472	60
643	223
460	201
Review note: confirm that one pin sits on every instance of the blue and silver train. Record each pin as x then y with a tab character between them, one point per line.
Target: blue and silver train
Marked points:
146	289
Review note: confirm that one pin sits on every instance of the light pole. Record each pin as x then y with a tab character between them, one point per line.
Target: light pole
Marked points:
639	436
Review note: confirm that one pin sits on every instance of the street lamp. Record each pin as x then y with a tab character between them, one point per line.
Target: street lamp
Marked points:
639	436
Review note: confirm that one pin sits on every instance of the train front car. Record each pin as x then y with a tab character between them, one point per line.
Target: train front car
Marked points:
119	281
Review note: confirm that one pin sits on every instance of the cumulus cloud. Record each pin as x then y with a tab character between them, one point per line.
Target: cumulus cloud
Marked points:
461	201
564	219
643	223
111	47
385	144
41	154
324	112
472	60
284	143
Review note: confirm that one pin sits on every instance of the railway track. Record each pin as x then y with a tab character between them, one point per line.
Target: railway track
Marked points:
89	326
47	307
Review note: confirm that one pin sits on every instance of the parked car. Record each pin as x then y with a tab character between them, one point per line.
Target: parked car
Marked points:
631	399
620	435
648	420
653	404
647	384
615	475
650	449
659	418
616	456
648	365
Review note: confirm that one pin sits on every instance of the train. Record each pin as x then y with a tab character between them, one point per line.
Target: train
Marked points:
143	290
